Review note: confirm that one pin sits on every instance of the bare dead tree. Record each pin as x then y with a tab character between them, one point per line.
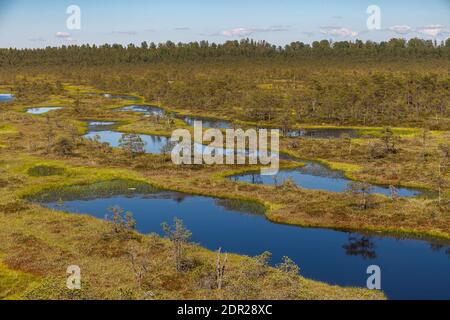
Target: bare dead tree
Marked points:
140	266
221	265
394	193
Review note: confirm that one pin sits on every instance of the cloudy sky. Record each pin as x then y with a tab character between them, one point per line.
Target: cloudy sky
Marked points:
31	23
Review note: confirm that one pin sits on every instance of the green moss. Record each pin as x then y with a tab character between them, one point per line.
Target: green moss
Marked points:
98	189
45	171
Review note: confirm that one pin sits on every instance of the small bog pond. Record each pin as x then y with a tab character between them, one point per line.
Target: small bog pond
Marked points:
154	144
316	176
95	126
42	110
145	109
6	97
411	269
208	123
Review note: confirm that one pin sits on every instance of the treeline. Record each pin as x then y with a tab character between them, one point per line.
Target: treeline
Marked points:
246	48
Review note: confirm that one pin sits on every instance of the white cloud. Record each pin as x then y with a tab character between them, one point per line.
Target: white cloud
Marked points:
245	32
339	32
433	30
401	29
237	32
61	34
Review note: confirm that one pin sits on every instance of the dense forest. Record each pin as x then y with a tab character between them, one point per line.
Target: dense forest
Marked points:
107	54
398	82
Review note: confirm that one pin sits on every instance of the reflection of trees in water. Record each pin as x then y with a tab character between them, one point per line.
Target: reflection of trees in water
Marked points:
167	195
257	178
438	247
241	206
360	246
316	169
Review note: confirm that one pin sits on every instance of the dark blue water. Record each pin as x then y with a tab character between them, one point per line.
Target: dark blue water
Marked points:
316	176
42	110
411	269
5	97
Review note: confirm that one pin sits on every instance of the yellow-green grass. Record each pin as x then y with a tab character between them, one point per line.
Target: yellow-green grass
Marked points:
13	283
7	129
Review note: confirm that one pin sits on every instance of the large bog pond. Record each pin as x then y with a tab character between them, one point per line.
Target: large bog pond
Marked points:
317	176
411	269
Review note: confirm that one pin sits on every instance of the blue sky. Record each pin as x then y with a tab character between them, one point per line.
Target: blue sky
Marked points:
31	23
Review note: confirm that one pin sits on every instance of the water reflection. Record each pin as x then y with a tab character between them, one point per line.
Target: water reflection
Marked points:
315	176
208	123
359	245
145	109
97	126
6	97
42	110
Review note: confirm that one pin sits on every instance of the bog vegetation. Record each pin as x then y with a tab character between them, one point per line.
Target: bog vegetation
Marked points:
396	93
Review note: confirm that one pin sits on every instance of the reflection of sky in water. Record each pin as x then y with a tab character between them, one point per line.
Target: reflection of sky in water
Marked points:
147	110
42	110
5	97
154	144
321	178
408	266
